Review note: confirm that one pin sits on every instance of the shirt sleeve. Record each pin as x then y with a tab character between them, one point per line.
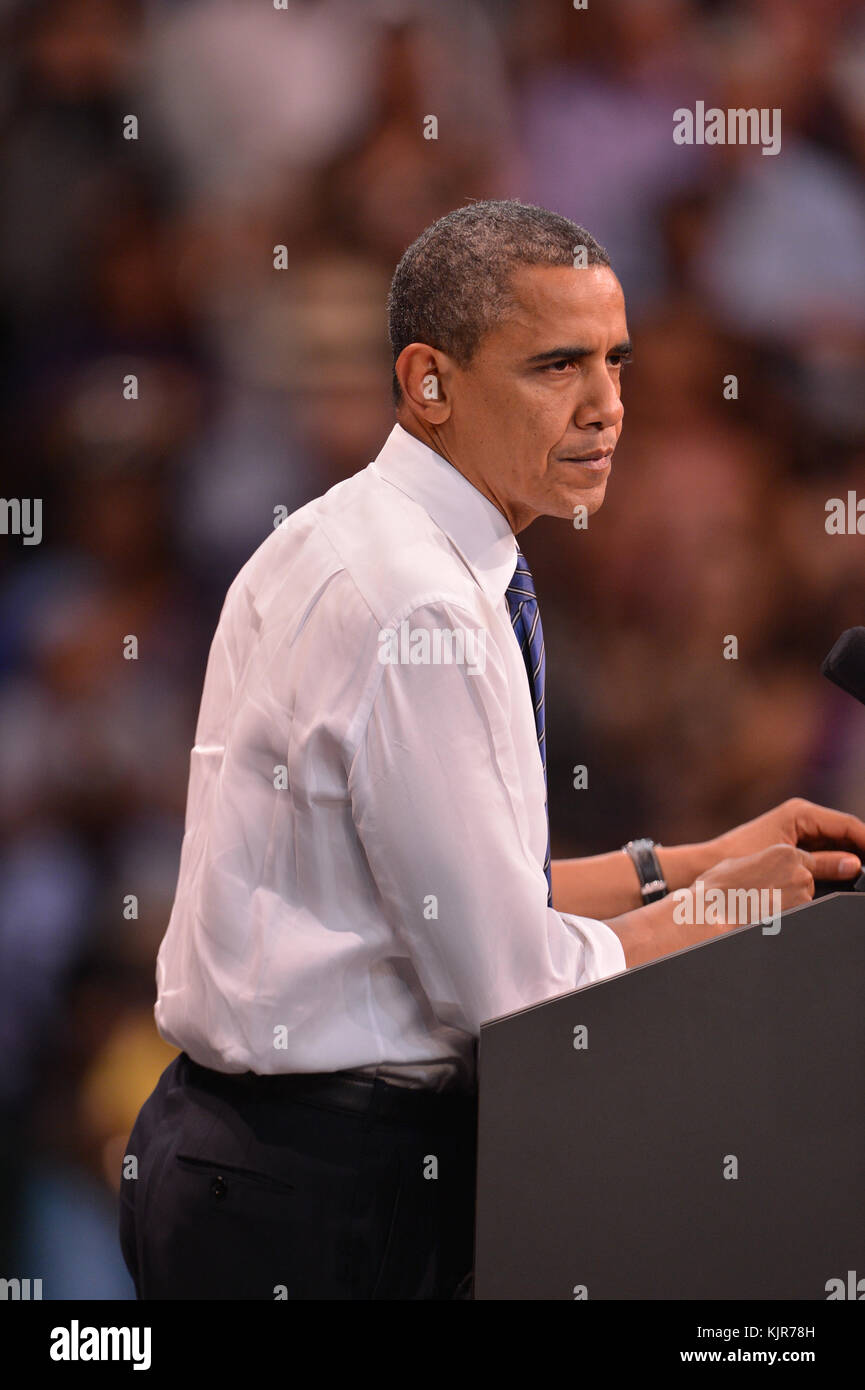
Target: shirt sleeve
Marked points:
438	802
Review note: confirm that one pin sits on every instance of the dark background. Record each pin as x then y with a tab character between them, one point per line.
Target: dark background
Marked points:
260	388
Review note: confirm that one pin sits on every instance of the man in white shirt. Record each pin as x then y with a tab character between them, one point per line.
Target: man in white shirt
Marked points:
365	873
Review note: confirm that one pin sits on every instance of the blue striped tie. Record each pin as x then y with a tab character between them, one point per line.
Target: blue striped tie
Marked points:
526	619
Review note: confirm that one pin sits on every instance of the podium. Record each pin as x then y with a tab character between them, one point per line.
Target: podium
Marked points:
690	1129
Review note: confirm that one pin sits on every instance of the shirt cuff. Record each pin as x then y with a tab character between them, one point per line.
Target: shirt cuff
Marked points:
604	953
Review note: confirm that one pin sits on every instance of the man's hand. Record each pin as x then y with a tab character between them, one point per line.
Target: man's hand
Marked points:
782	868
660	928
785	850
606	886
802	824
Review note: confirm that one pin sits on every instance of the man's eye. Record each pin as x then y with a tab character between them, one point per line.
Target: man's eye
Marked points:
619	359
562	362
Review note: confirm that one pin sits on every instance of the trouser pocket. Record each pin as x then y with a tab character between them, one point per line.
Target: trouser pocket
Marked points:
223	1174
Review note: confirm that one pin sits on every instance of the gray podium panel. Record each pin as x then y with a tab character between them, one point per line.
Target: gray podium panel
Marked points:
604	1167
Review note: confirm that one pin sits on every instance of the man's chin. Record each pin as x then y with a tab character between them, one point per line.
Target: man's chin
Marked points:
580	503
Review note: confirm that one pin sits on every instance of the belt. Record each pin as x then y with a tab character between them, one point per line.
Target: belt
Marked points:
358	1095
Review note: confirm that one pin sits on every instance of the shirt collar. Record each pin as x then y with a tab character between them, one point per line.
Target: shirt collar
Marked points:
472	523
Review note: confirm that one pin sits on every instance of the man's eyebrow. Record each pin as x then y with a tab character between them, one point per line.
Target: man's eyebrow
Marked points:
575	353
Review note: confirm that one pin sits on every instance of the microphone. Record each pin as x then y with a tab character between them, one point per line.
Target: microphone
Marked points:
845	664
845	667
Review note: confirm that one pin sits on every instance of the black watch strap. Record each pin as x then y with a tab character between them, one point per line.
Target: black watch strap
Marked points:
653	885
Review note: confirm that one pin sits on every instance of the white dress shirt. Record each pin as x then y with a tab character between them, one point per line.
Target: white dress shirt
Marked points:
361	880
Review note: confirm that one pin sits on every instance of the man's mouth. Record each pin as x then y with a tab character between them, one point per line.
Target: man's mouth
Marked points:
598	460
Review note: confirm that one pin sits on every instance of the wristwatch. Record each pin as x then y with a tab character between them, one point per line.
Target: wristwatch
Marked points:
653	885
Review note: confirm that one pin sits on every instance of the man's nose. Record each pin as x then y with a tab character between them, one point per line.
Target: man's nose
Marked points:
600	404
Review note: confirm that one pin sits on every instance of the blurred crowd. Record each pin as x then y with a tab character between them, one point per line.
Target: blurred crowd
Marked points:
153	257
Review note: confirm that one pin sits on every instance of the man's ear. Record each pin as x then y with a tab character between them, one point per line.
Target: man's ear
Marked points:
424	374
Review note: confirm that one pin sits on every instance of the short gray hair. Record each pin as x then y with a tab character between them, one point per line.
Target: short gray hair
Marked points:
452	284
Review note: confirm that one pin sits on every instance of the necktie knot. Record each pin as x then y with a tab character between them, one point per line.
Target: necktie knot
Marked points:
522	585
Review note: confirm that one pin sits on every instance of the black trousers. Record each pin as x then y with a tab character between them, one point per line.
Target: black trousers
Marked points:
247	1188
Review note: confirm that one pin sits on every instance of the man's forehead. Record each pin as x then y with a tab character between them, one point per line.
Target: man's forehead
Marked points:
549	298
